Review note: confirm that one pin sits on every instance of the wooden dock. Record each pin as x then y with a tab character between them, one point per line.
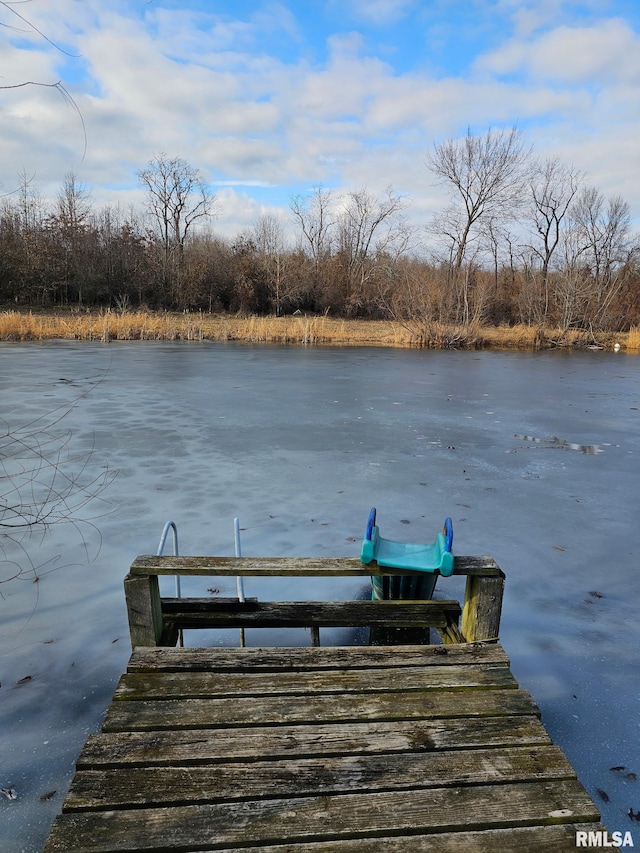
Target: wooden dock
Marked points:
394	748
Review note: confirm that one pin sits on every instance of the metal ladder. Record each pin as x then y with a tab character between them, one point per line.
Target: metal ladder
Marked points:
171	526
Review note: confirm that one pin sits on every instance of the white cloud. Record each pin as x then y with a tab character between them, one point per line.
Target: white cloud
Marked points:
191	34
250	182
573	55
216	91
381	12
527	16
238	212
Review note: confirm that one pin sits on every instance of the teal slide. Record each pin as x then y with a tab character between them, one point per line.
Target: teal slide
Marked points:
437	557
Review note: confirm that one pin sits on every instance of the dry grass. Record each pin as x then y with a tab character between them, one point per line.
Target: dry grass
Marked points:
146	325
633	339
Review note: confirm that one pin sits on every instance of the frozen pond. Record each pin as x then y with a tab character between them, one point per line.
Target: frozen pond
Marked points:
535	456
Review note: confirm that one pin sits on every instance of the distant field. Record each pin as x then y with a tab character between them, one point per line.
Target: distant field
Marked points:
146	325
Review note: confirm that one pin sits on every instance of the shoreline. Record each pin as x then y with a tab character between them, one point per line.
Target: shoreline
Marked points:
300	330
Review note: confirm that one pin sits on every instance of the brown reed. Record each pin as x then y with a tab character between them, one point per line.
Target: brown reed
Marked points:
295	330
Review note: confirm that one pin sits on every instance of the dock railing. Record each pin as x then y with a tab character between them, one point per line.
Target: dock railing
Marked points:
157	621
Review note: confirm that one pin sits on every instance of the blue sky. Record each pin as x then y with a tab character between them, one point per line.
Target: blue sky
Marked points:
270	99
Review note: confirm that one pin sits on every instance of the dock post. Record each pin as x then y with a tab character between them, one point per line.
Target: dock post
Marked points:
482	608
144	609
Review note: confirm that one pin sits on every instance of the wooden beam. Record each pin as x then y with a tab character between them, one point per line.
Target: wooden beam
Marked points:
254	823
147	686
531	839
149	785
278	710
166	747
291	566
277	659
144	609
451	634
208	613
482	608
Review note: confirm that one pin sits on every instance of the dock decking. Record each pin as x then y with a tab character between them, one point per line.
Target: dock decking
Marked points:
398	749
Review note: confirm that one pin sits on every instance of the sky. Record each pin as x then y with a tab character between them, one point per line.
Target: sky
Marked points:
271	99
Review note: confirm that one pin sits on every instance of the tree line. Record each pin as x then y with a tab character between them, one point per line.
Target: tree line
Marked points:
521	240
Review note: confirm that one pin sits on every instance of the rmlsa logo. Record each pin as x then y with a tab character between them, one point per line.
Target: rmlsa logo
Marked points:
602	839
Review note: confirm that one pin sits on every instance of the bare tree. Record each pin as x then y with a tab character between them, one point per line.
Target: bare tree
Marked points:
484	176
30	212
458	305
602	228
553	186
315	217
571	285
178	196
71	221
371	233
74	203
269	239
29	203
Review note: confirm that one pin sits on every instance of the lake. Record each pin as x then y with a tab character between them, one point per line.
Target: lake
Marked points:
534	456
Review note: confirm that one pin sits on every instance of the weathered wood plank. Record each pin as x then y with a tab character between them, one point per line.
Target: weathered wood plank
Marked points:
209	613
278	710
307	819
451	634
144	610
174	685
529	839
177	785
202	746
482	608
322	751
291	566
254	659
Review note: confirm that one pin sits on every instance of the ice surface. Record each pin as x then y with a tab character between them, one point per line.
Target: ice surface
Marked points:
300	443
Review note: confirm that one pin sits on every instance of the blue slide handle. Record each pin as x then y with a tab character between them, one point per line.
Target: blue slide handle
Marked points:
448	532
370	523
